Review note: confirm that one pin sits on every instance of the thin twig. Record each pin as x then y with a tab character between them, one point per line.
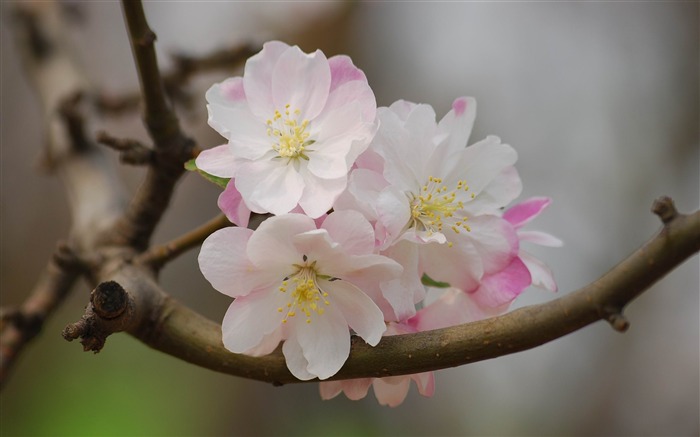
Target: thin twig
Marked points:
131	151
26	321
158	256
171	147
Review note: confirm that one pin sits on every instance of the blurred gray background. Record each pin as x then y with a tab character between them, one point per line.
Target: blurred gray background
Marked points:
601	102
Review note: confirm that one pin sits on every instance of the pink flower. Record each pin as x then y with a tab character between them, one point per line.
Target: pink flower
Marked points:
437	203
521	214
295	282
391	391
295	124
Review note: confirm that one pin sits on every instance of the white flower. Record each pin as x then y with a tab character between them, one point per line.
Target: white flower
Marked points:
296	123
300	284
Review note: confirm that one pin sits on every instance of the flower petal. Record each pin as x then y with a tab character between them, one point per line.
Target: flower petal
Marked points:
229	93
231	203
223	262
217	161
541	274
302	81
541	238
269	186
354	389
257	78
524	212
456	126
391	394
482	162
294	357
501	288
425	382
351	231
361	314
319	194
272	245
325	342
344	71
250	318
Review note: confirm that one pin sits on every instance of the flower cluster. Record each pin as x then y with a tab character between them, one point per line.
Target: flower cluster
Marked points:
418	237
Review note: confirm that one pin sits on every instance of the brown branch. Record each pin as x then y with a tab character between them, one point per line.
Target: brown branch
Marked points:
171	147
22	324
175	81
177	330
158	256
131	151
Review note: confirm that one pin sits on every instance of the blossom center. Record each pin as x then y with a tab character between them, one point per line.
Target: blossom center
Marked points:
435	206
305	296
289	134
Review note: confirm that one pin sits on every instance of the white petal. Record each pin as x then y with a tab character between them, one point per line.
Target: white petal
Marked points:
272	245
481	163
456	126
393	212
541	274
294	356
257	79
502	190
250	318
269	186
541	238
302	81
351	231
361	314
325	341
218	161
229	93
223	262
319	194
403	292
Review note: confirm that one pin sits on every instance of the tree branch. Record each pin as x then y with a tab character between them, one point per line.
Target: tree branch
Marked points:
171	147
24	323
158	256
176	330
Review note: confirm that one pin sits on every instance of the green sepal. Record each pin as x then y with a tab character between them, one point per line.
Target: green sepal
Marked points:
430	282
216	180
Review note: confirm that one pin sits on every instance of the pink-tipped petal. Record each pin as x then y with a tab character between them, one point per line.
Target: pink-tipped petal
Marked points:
231	203
501	288
229	93
456	126
524	212
344	71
